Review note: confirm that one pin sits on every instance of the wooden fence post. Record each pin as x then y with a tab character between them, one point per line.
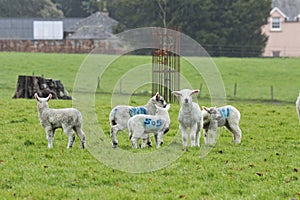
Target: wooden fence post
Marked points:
272	92
120	86
98	84
235	89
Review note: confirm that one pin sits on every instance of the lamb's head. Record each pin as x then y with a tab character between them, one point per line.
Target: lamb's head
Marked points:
185	96
42	102
213	113
158	100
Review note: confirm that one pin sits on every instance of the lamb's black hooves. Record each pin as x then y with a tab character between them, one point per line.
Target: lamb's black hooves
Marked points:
114	145
149	144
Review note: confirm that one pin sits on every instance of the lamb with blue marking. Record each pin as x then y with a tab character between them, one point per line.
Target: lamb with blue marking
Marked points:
120	115
140	126
68	119
227	116
190	117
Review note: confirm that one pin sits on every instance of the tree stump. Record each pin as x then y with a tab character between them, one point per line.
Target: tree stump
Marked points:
28	85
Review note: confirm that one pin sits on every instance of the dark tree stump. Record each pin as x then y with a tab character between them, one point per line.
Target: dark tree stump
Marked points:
28	85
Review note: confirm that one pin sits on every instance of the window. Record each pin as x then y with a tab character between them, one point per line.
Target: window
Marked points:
276	53
275	24
48	30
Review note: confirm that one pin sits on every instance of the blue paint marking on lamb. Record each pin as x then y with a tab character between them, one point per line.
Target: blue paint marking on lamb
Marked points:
137	110
153	123
225	112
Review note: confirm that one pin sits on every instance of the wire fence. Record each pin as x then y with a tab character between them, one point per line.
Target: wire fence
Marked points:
59	46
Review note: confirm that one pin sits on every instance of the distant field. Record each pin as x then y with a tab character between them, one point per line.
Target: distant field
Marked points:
264	166
253	76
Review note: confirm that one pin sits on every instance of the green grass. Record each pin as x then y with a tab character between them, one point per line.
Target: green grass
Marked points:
264	166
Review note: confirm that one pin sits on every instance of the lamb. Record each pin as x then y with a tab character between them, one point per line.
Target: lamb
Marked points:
120	115
140	126
212	116
189	117
227	116
68	119
298	106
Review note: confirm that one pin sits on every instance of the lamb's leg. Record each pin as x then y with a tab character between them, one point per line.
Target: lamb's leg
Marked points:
211	136
205	132
71	136
50	136
159	139
149	142
81	135
113	135
134	142
155	138
236	131
193	135
198	134
145	141
237	134
184	137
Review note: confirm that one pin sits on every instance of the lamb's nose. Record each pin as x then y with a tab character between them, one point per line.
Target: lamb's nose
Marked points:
186	100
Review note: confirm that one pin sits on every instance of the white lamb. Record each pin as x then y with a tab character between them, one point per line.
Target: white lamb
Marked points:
298	106
140	126
68	119
211	118
120	115
189	117
227	116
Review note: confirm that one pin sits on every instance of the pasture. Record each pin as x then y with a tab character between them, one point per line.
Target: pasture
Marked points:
264	166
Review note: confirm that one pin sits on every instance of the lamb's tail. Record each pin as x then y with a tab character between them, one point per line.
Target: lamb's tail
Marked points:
112	117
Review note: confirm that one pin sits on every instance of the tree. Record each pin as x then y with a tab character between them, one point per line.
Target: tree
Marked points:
223	27
29	8
71	8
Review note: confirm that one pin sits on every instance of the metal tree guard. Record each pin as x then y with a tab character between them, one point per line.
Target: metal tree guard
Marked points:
166	62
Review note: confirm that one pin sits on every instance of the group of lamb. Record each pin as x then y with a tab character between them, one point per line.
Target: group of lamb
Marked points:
156	120
143	120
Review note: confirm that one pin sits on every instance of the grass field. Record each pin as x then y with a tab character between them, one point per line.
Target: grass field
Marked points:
264	166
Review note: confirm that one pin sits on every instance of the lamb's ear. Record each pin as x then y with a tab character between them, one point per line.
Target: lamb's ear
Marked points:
206	109
157	96
195	92
177	93
36	96
49	97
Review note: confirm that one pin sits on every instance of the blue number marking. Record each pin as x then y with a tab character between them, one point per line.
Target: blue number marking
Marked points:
224	112
137	110
158	122
147	121
153	123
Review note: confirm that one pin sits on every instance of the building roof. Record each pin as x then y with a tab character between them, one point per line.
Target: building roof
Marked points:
97	26
290	8
91	32
96	19
22	28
